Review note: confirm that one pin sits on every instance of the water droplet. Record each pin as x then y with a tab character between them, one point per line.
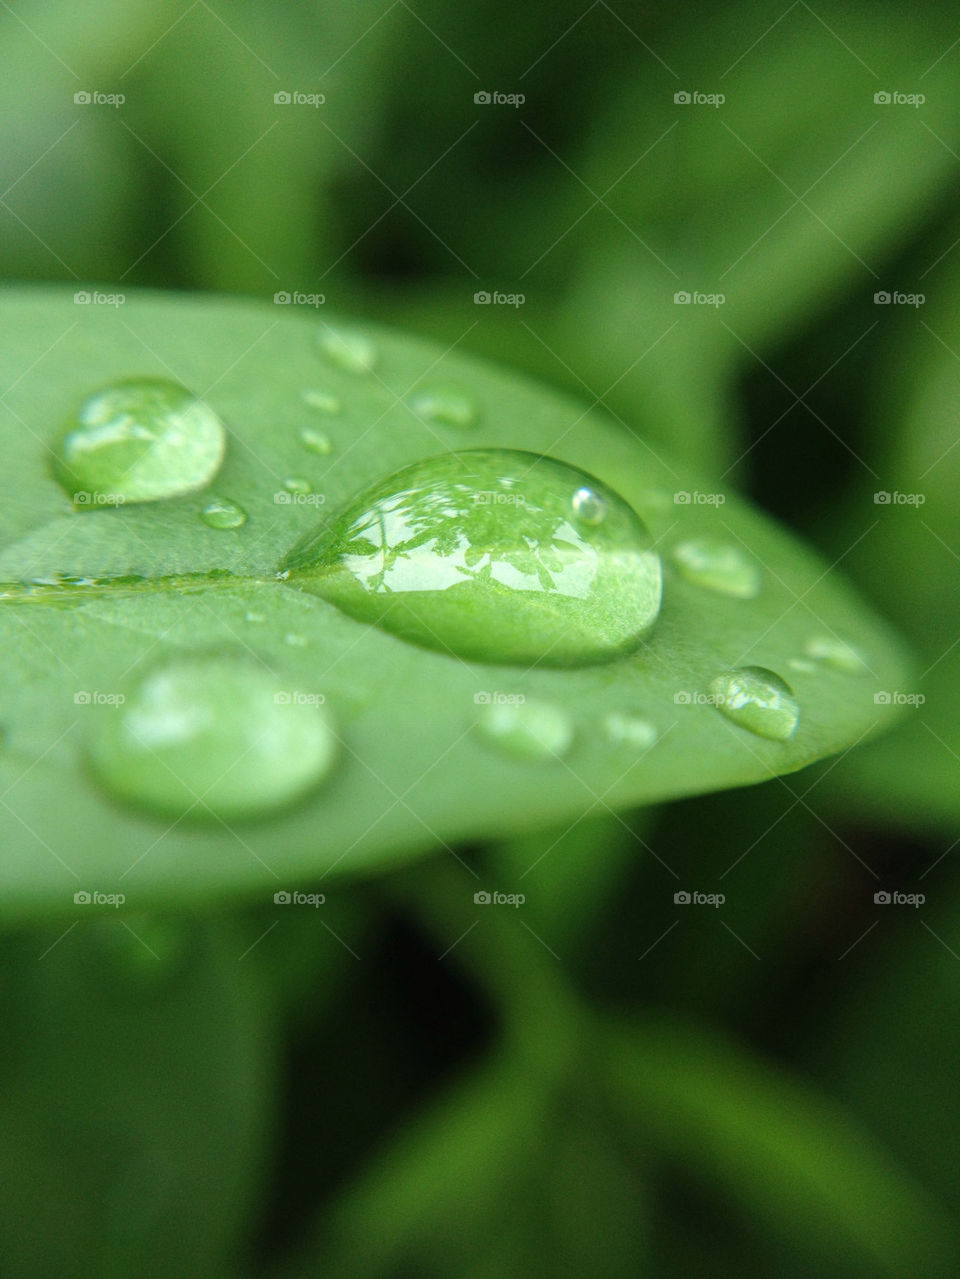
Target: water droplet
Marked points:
348	349
295	640
719	566
588	506
802	665
321	400
531	730
828	651
478	554
222	513
139	441
212	735
447	406
757	699
315	441
629	730
255	617
296	484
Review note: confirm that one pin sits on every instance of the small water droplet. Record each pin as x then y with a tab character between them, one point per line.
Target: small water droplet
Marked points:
348	349
588	506
447	406
296	484
255	617
212	736
220	512
531	730
828	651
719	566
141	440
316	441
479	554
801	665
758	700
321	400
295	640
629	730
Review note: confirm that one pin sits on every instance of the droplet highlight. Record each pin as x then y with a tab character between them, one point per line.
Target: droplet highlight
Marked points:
348	349
141	440
757	699
530	730
323	401
630	731
213	736
221	513
718	566
316	441
479	554
297	484
827	651
446	406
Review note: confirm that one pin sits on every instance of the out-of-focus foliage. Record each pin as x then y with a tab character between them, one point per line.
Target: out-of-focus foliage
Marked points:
599	1081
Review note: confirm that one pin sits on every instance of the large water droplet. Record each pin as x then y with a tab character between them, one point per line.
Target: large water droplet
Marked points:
828	651
481	554
530	730
213	735
757	699
348	349
446	406
632	731
222	513
719	566
139	441
316	441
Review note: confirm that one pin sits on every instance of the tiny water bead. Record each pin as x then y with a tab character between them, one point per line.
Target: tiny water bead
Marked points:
221	513
446	406
141	440
480	554
297	484
212	735
321	400
758	700
316	441
718	566
588	506
530	730
623	729
348	349
827	651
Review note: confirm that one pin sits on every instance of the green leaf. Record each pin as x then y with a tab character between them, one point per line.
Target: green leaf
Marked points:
411	768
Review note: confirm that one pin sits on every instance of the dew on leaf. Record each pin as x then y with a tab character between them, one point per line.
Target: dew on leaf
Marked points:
757	699
140	440
212	736
321	400
718	566
633	731
531	730
221	513
446	406
297	484
827	651
478	554
348	349
316	441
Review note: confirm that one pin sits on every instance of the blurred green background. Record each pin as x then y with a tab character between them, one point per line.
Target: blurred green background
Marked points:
610	1085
